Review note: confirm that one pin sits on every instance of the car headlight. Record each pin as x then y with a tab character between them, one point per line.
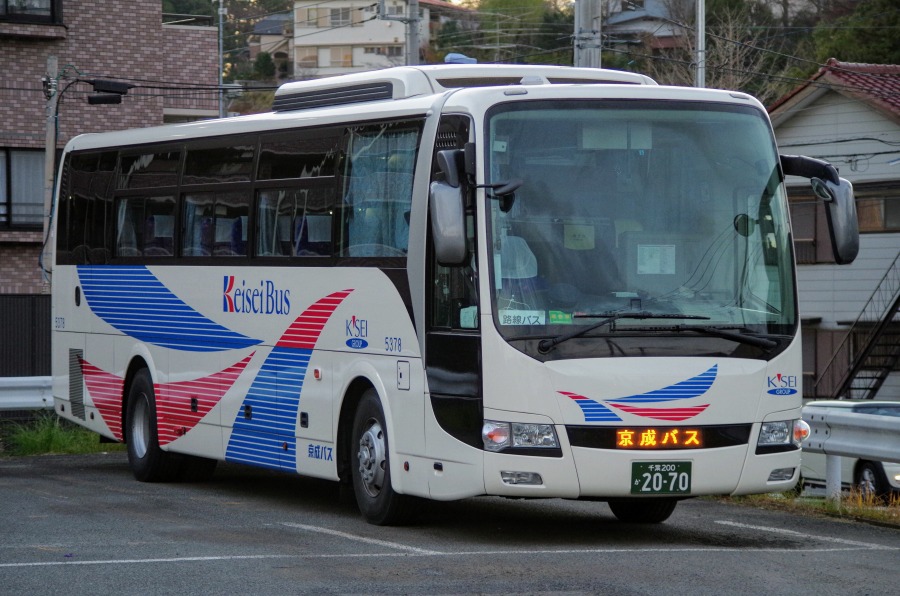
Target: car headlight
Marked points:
501	435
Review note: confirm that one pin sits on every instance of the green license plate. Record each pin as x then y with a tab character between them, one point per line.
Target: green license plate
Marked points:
660	478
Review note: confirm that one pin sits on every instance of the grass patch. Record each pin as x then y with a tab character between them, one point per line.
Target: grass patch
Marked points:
49	434
854	505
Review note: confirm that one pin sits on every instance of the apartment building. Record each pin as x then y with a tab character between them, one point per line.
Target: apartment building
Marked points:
115	40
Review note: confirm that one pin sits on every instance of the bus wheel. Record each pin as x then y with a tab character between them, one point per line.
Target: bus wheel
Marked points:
642	511
375	496
148	462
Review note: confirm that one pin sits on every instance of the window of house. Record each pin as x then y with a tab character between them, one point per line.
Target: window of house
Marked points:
307	57
878	213
31	11
809	228
341	56
21	188
340	17
306	17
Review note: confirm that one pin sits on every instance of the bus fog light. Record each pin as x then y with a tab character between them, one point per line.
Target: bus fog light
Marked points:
781	474
530	478
495	435
533	435
775	433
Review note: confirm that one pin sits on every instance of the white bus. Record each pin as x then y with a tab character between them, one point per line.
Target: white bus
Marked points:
445	281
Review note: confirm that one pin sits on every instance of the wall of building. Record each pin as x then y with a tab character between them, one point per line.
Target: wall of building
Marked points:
110	39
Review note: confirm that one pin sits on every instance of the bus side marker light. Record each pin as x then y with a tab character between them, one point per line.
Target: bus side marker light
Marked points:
317	374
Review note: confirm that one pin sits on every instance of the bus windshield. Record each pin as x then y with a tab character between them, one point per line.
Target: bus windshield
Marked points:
672	209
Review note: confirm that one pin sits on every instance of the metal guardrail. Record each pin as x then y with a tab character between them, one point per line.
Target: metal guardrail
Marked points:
25	393
838	433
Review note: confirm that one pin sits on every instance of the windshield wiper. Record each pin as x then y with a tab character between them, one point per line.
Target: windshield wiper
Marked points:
753	340
545	345
737	334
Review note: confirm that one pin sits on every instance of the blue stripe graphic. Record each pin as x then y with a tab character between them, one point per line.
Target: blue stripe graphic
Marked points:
135	302
596	412
693	387
268	438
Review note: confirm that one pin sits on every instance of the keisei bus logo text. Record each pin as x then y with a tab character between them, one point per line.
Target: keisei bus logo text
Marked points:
357	330
264	298
782	384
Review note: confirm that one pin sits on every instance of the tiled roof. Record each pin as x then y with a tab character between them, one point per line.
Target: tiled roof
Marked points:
876	84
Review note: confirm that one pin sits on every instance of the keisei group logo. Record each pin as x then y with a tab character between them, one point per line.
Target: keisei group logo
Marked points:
782	384
264	298
357	330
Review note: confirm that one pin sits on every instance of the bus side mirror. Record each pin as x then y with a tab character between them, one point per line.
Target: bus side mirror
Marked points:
448	163
840	211
448	223
840	206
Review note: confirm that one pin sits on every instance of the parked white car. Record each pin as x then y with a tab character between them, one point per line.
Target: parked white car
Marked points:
875	477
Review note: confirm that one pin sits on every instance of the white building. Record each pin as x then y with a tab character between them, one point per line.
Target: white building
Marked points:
343	36
849	115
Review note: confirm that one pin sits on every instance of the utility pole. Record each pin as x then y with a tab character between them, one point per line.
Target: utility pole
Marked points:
700	79
412	34
52	93
222	12
587	39
412	28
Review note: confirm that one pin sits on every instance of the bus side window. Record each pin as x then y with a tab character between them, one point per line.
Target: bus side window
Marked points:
378	189
295	222
215	224
454	294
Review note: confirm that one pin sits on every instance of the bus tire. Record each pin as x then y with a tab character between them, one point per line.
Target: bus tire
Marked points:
148	462
371	468
642	511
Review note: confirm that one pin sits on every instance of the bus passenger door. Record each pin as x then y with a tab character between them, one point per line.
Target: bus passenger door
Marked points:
453	352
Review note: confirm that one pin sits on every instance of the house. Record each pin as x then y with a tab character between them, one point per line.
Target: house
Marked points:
849	115
658	22
274	34
341	36
174	69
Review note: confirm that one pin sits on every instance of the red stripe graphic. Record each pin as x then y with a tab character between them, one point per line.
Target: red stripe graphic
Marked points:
575	396
175	402
674	414
305	330
105	390
175	414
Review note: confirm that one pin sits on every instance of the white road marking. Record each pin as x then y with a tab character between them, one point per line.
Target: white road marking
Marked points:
412	551
133	561
394	545
805	536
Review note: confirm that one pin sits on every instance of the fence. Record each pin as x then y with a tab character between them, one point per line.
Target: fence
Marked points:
838	433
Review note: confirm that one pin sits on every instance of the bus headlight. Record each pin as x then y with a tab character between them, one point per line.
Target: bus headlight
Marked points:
501	435
775	433
783	432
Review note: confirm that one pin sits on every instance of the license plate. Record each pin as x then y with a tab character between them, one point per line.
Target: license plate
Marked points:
660	478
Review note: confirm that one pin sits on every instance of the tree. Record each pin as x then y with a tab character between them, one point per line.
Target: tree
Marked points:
264	67
744	49
871	33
